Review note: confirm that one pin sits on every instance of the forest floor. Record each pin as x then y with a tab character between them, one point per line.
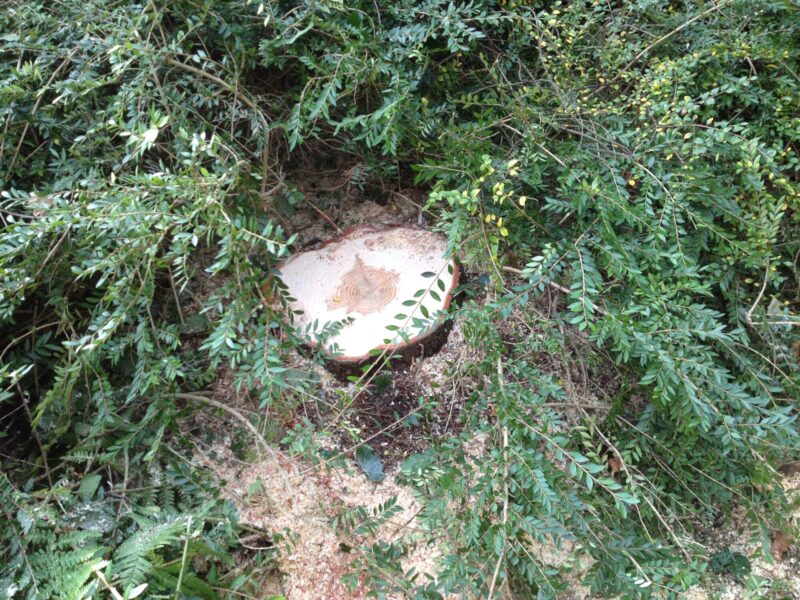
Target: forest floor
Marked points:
295	503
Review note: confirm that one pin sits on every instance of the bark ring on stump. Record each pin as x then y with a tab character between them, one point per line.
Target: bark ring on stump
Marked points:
372	291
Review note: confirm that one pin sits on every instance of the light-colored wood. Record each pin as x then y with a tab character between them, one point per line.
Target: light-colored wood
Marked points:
361	281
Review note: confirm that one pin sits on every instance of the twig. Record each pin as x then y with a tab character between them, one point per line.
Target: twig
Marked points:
505	485
220	82
114	593
555	286
265	166
183	558
322	213
573	405
52	252
10	520
244	421
643	494
749	314
175	294
488	249
28	333
35	108
38	440
663	38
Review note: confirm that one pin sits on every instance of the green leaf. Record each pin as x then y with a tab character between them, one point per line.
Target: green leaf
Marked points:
89	486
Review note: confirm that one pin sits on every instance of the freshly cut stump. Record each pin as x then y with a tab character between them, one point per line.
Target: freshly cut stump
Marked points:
374	291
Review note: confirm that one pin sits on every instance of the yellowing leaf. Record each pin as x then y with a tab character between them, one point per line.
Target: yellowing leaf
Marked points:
150	135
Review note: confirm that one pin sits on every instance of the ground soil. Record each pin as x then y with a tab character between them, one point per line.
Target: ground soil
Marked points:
773	575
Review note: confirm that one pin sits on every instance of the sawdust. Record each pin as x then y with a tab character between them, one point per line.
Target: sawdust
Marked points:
299	508
311	229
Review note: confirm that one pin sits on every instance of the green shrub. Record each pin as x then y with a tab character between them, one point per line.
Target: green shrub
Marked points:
636	162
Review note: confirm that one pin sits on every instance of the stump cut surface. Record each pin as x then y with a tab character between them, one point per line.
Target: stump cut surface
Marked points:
363	279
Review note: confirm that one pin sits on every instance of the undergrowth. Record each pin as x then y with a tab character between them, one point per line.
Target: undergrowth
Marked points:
637	160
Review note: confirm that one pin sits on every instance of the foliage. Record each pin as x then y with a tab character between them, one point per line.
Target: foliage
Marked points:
118	175
633	164
734	563
60	543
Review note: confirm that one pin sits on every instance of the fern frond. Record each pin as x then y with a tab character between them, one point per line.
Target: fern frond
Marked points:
132	559
64	575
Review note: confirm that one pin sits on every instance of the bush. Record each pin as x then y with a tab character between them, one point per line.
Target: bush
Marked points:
637	160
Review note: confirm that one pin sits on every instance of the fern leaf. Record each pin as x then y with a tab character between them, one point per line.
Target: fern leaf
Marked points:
132	559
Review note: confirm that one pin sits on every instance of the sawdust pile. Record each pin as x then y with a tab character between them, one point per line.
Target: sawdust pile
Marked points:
286	496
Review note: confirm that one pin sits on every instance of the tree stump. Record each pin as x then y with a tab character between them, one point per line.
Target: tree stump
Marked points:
372	292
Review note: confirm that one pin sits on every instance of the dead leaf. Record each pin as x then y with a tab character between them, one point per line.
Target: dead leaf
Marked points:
780	545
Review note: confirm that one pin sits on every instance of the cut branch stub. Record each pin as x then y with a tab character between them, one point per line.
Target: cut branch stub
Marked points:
372	292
